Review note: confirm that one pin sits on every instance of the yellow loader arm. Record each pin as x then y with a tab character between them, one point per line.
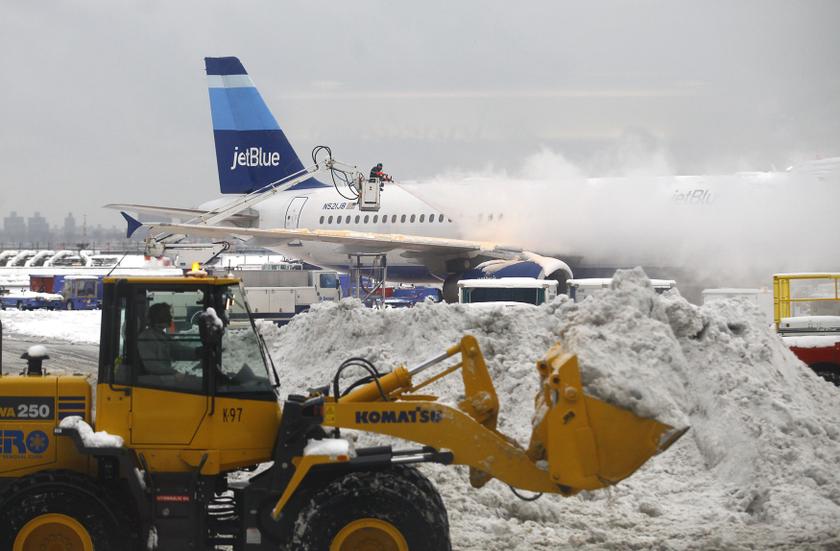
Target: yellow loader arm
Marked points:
579	442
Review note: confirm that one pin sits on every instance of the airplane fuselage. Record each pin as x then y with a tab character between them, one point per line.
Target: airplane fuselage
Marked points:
324	208
591	223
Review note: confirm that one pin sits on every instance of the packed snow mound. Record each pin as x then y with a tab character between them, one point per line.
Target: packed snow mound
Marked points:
91	439
329	446
761	458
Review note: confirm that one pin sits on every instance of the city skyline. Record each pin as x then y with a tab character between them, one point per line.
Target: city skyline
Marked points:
36	230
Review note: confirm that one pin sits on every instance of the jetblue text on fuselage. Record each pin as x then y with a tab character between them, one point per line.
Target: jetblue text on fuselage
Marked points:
693	197
254	156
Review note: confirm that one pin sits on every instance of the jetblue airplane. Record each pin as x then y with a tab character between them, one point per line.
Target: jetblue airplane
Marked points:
311	221
423	239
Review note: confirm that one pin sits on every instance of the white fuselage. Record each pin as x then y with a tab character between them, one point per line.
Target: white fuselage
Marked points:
324	208
666	221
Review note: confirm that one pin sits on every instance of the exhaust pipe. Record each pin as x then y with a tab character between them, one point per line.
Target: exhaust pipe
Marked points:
35	356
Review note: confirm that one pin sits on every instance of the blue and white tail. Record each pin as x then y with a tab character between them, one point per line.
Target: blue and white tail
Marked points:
251	149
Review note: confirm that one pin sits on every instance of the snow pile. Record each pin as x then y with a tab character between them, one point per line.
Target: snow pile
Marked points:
101	439
759	466
72	326
329	446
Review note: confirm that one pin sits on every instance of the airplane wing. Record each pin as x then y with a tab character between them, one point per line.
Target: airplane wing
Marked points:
238	219
367	241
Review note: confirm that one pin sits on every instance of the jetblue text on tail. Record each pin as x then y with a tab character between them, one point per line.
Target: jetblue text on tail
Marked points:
254	156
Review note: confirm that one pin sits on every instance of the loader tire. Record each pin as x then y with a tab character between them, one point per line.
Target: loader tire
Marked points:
62	510
396	509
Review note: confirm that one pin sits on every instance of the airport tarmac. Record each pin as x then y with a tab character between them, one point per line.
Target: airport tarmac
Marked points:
65	357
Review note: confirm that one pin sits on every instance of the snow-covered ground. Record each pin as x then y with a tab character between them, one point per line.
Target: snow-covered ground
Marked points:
67	325
759	468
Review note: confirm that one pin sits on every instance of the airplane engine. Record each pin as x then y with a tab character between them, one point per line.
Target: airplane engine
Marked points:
528	265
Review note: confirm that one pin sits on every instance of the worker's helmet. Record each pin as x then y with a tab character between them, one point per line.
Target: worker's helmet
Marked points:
378	165
159	313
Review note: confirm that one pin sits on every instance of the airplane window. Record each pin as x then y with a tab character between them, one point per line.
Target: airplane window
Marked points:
402	218
431	218
412	218
347	219
329	220
375	218
500	215
490	217
322	220
357	218
422	217
366	218
440	218
393	218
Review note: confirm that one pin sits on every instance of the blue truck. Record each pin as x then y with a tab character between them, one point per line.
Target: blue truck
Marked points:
76	291
82	292
29	300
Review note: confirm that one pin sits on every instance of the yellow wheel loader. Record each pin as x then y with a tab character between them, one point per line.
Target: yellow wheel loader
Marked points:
210	457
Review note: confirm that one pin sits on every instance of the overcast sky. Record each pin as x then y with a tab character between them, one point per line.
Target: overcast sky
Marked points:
106	101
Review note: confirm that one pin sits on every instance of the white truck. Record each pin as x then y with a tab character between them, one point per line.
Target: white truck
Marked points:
761	298
579	289
279	295
507	290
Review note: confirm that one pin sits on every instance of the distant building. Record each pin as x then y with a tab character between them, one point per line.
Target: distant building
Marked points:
38	230
69	232
14	228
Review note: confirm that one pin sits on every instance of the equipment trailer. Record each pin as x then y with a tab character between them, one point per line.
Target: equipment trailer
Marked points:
806	312
195	402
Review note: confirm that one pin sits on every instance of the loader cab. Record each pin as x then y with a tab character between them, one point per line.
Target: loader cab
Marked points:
170	365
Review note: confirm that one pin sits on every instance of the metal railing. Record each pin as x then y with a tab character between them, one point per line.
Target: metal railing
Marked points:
784	302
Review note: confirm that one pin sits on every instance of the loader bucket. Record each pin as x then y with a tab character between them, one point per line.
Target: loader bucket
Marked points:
588	443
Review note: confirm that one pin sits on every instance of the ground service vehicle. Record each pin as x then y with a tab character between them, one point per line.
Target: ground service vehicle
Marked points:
524	290
82	292
279	295
806	311
760	298
579	289
207	408
30	300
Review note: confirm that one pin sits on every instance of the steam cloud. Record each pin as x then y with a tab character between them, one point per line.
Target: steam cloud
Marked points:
724	230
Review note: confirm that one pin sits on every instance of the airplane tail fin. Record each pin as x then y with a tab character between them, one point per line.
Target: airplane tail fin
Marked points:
251	149
133	224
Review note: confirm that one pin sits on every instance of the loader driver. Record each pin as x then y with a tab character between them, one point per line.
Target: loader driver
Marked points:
157	349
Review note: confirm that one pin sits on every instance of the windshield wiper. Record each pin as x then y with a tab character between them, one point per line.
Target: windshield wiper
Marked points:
267	354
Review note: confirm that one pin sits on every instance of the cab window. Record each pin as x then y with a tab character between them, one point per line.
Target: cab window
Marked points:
242	368
169	348
164	342
328	281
